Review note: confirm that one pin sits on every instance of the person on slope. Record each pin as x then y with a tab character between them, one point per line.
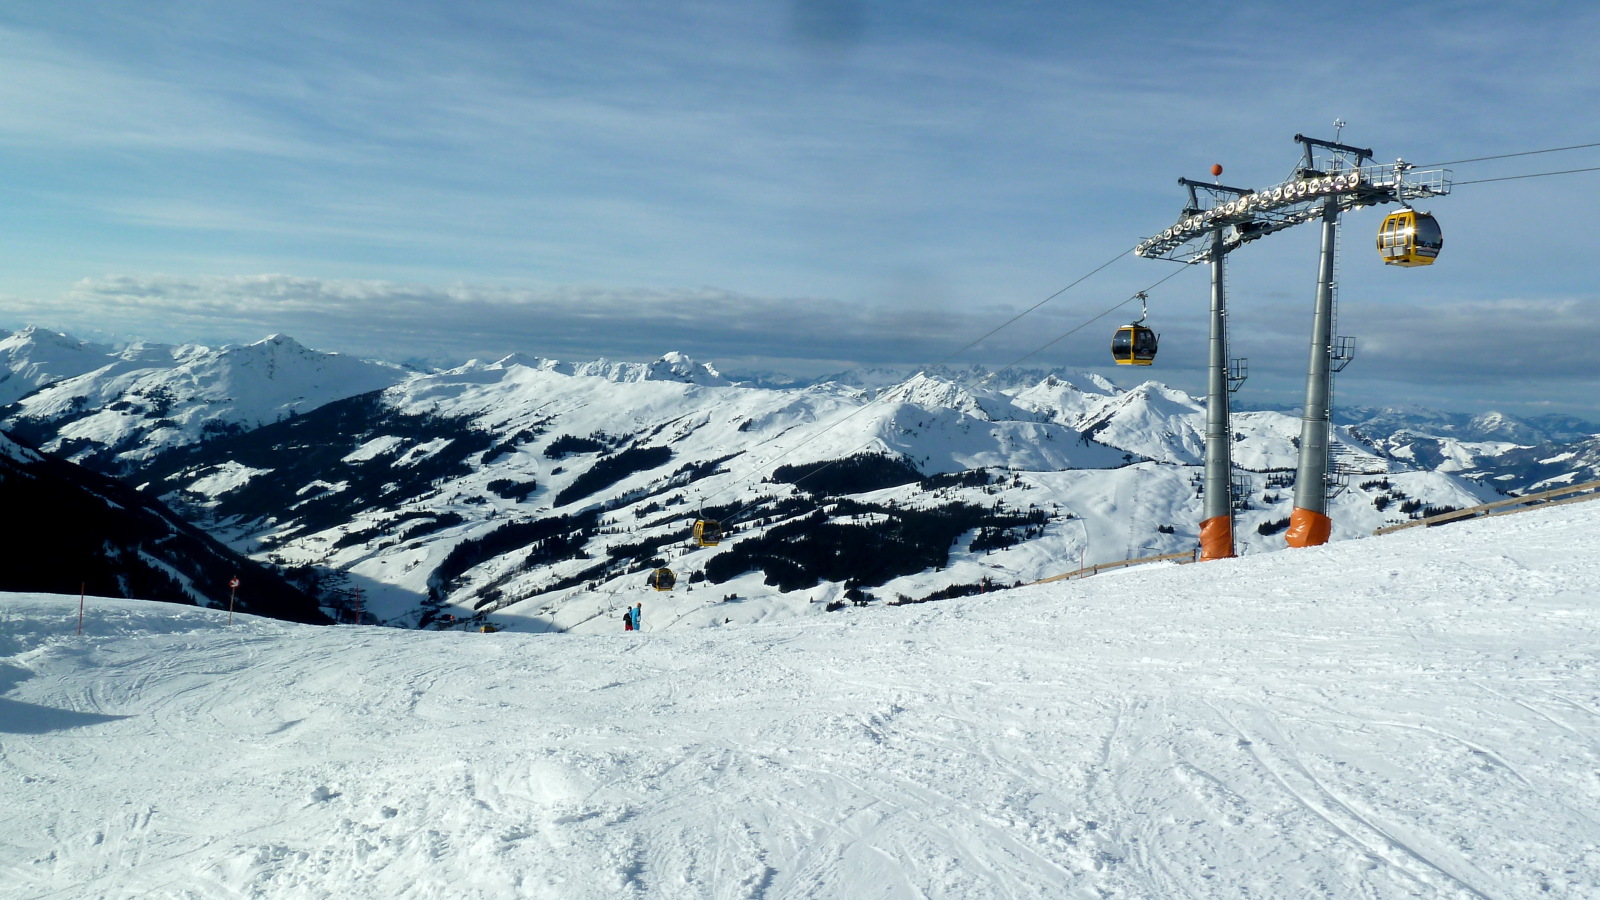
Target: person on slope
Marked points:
638	613
627	618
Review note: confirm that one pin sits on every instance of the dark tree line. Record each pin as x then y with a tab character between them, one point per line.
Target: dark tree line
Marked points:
609	470
801	553
851	475
76	529
561	536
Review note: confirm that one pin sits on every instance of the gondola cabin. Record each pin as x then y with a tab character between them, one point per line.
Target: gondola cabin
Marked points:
663	579
1409	238
1134	345
707	532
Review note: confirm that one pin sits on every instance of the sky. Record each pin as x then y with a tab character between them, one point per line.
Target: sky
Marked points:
795	186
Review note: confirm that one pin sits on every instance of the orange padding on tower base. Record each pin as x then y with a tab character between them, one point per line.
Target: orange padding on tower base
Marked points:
1216	538
1308	529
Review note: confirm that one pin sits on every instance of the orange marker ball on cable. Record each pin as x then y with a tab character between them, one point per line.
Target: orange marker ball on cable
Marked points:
1216	169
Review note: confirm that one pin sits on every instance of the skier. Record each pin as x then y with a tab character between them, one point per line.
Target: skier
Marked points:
627	618
638	612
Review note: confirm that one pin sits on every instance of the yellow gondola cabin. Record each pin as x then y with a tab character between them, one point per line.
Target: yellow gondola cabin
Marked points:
707	532
1134	345
1409	238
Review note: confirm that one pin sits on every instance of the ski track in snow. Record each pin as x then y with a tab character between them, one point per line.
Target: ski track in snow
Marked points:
1412	716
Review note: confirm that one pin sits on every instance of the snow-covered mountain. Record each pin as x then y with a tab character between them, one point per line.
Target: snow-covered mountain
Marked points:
1515	455
534	483
523	484
878	377
149	398
1525	470
1379	422
672	366
34	357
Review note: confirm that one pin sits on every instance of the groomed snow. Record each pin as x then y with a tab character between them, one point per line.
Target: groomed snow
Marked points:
1416	715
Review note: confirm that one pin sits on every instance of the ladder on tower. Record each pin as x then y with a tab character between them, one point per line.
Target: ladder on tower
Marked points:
1341	350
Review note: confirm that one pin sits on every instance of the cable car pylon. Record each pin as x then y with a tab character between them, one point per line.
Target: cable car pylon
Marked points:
1309	522
1314	193
1216	520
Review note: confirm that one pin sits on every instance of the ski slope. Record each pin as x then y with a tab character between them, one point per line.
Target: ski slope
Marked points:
1410	716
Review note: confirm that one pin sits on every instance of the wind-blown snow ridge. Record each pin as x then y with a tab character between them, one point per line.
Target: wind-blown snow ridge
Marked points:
1409	716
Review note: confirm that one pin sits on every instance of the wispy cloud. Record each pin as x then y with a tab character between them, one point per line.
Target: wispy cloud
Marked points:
856	181
56	97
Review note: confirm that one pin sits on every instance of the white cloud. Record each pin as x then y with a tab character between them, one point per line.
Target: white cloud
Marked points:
928	168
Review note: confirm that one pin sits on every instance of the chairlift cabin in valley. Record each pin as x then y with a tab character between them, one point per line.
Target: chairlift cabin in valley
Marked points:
663	579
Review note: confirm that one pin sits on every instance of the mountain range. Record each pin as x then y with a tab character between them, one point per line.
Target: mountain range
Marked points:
543	493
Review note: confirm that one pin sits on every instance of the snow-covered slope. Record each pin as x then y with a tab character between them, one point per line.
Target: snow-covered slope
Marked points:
1410	716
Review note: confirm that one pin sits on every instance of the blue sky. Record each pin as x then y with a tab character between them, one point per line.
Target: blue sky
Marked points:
796	186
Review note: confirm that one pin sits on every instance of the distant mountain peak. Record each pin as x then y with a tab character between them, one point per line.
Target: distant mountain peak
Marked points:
175	396
675	366
35	357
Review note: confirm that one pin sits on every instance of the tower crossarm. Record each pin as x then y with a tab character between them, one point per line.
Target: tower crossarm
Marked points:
1244	215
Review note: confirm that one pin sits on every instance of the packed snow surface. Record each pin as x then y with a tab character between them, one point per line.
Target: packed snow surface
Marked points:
1416	715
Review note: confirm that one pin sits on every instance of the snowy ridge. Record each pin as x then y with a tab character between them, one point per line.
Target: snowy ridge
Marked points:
878	377
34	357
672	366
153	398
1408	716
